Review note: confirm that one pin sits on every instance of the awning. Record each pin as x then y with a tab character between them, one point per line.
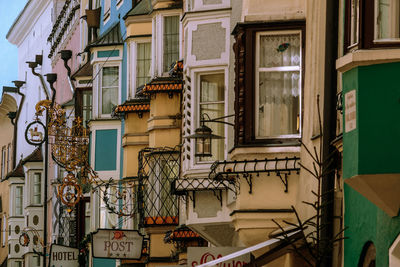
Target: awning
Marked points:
264	244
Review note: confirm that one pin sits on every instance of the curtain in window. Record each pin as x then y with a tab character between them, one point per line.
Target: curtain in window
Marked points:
171	41
387	19
143	63
109	89
212	95
279	80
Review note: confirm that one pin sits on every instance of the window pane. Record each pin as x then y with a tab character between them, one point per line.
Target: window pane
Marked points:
143	63
279	50
387	19
171	39
86	105
278	103
354	21
217	145
212	88
37	188
110	82
18	200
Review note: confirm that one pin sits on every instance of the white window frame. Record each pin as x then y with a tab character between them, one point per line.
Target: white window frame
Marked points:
198	119
104	214
196	167
22	200
257	70
98	96
157	48
106	11
32	195
131	89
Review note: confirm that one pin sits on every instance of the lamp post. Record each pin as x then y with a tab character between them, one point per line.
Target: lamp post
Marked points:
203	135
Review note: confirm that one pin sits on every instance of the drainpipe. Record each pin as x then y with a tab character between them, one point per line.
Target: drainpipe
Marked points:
17	84
329	126
51	78
65	56
33	65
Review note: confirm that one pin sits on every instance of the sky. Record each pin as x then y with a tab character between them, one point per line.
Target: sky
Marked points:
9	11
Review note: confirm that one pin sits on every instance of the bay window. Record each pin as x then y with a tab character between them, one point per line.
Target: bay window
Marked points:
143	64
268	85
109	89
372	24
170	41
212	105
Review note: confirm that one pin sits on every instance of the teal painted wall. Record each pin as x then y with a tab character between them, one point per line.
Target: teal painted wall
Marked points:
106	150
366	222
108	53
373	146
103	262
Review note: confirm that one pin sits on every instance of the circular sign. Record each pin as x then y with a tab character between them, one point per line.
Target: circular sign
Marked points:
35	133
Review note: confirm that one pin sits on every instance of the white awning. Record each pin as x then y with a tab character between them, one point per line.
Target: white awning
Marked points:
244	251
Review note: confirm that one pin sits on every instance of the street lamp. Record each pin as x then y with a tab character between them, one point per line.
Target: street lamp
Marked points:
203	136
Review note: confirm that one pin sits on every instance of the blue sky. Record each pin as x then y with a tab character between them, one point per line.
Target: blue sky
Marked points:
9	11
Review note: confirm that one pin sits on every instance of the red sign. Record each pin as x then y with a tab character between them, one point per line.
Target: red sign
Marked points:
201	255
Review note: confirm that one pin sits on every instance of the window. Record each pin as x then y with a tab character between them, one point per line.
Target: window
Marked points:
277	84
107	218
84	105
268	83
9	167
211	105
37	183
4	231
109	89
18	200
36	261
143	63
3	161
372	23
170	41
106	9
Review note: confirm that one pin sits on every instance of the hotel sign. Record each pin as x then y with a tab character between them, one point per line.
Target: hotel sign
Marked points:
117	244
350	111
201	255
62	256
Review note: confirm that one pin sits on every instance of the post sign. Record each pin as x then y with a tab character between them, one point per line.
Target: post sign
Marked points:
200	255
350	111
62	256
117	244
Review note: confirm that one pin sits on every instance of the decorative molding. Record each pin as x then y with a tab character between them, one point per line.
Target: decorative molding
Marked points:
32	13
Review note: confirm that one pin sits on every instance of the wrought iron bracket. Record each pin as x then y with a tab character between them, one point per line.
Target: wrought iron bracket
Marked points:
233	170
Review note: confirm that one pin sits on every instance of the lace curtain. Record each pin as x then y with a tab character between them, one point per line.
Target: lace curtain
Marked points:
387	19
279	80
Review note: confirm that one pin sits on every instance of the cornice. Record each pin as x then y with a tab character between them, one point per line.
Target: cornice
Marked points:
26	20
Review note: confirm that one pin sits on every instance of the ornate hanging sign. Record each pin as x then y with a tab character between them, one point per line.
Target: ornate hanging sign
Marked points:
35	133
117	244
62	256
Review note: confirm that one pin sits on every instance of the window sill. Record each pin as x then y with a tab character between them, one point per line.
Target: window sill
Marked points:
367	57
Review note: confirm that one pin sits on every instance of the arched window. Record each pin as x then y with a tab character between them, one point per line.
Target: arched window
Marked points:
368	255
